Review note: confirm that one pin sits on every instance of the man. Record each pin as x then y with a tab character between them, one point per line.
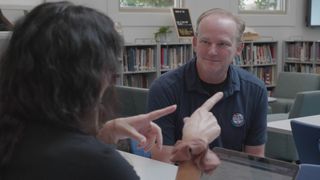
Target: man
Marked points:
242	111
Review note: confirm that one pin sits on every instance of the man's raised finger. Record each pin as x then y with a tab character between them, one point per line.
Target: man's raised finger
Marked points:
208	105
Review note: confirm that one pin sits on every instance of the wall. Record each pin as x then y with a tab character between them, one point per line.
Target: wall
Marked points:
140	26
278	27
287	26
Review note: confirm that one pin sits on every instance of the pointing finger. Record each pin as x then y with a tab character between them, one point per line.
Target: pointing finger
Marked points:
208	105
153	115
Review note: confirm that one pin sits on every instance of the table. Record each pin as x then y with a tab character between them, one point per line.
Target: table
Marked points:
284	127
150	169
271	99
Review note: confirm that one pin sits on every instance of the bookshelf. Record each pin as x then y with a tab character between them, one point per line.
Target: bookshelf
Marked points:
174	55
261	59
139	65
302	56
142	63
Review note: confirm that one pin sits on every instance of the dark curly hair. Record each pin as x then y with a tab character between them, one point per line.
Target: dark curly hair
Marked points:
57	61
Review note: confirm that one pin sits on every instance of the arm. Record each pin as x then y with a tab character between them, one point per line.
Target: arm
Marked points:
163	154
258	131
255	150
140	128
192	152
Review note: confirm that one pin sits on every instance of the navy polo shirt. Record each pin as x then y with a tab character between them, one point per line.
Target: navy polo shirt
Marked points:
241	113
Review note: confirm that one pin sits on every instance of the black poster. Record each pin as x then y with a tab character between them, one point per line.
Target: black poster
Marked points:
183	22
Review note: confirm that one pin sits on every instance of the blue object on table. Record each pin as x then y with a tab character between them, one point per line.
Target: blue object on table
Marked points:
135	150
306	137
308	172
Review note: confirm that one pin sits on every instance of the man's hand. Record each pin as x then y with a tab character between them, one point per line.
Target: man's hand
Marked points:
202	123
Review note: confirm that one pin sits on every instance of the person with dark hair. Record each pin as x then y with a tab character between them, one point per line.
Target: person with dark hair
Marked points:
241	113
59	62
56	70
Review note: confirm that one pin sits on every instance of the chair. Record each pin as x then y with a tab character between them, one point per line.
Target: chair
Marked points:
132	101
288	85
307	139
306	103
281	146
308	172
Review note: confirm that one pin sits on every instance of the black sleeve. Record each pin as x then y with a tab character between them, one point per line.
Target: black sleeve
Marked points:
108	164
100	162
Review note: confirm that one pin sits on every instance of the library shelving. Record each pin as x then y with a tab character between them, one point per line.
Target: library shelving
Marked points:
139	65
260	58
174	55
142	63
301	56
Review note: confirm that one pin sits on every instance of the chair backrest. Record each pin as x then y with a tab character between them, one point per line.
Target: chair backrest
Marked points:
306	103
132	101
290	83
308	172
307	139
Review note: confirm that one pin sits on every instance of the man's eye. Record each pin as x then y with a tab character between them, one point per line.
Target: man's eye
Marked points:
205	42
223	44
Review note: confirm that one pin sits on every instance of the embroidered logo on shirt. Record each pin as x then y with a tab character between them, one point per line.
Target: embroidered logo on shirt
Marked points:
237	120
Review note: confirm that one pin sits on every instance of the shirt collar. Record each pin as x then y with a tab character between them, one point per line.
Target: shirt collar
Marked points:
193	83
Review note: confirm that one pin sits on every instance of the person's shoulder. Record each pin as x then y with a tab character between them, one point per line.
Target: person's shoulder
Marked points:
103	159
94	159
87	147
171	78
67	154
247	77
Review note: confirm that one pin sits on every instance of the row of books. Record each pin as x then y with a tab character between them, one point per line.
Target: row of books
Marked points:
266	74
174	56
300	51
256	55
305	68
317	69
264	54
137	80
318	52
139	59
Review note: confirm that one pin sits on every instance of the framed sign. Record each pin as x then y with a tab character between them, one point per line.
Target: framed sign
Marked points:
183	22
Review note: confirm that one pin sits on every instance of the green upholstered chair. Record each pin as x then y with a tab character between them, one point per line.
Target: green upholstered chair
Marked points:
288	85
132	101
281	146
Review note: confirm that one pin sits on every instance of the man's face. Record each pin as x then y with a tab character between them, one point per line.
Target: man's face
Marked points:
216	45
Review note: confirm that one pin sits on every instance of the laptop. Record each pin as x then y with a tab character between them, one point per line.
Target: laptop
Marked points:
237	165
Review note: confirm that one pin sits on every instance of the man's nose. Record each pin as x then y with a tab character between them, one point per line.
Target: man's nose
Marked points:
213	49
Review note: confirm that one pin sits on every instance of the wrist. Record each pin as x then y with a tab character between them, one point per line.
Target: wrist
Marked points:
192	137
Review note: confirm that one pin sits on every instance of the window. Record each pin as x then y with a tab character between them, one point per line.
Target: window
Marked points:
262	6
149	5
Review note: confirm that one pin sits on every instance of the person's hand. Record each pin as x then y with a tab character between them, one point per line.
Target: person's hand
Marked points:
140	128
192	152
202	123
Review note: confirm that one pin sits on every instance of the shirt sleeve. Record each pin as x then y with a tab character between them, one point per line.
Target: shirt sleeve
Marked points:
257	134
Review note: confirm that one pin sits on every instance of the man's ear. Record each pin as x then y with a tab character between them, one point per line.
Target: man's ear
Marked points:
240	46
194	44
194	41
